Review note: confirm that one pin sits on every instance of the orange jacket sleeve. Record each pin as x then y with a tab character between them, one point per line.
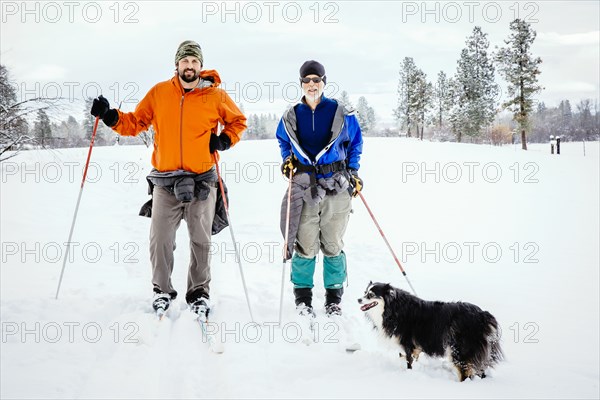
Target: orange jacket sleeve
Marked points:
133	123
234	122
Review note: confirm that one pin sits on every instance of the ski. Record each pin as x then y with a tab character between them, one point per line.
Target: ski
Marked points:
350	345
213	344
160	313
308	326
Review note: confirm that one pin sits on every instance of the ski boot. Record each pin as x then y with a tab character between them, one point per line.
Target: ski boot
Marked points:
201	306
304	301
161	303
333	298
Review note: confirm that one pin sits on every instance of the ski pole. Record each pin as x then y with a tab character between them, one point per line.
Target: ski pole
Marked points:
237	254
386	242
87	163
285	246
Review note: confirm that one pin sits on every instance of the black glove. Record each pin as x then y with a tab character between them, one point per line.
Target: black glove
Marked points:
356	182
288	165
101	108
219	142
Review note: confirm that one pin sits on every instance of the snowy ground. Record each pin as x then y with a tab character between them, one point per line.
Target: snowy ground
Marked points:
515	232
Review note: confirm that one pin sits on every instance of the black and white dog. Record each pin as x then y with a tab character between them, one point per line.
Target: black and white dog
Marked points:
463	332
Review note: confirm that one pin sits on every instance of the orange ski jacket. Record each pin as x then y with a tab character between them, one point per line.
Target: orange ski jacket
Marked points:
183	122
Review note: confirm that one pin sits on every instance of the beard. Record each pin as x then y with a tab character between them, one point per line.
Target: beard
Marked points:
189	75
314	97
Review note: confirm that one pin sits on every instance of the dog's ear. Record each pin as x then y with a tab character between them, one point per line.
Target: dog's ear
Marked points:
389	289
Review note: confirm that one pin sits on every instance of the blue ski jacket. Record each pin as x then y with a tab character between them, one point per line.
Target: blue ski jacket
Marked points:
326	135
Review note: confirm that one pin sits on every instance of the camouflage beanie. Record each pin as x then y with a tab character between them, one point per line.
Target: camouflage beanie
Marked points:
189	48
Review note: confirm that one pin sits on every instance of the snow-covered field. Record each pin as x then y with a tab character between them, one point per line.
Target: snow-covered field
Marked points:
514	232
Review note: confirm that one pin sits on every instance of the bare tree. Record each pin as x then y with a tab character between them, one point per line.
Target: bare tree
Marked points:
14	129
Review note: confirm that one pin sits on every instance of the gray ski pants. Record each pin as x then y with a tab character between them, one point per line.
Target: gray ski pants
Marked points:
167	213
323	226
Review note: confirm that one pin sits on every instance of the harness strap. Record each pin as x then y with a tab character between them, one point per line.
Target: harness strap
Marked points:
322	169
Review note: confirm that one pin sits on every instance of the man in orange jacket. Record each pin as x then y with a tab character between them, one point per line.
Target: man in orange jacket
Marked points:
185	112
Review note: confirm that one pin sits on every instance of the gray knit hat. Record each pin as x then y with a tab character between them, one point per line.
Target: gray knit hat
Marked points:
189	48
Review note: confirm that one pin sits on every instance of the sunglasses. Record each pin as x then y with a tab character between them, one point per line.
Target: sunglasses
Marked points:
315	80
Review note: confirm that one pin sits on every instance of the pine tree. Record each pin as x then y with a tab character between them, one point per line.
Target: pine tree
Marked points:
521	70
540	128
565	116
256	124
366	116
263	121
42	129
344	99
250	132
442	99
271	126
541	107
73	130
407	86
421	101
474	88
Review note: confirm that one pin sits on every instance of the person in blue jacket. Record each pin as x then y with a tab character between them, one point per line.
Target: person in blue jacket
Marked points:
321	144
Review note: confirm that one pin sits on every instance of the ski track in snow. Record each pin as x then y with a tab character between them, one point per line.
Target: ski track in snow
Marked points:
548	310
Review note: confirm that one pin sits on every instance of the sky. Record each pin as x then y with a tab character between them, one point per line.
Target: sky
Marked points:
121	49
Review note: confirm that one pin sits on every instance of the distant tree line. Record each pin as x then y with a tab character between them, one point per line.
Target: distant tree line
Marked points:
261	126
578	123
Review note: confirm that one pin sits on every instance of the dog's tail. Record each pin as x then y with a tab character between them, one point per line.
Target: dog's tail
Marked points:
492	335
488	352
